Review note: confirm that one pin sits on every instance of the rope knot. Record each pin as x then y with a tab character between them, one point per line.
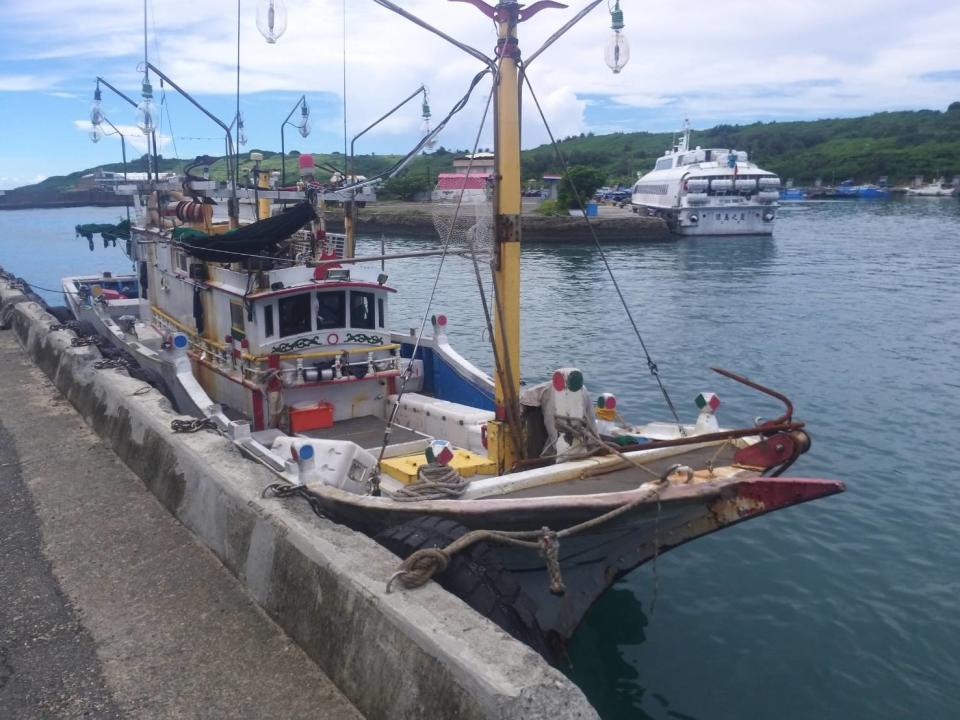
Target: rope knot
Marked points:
550	551
418	569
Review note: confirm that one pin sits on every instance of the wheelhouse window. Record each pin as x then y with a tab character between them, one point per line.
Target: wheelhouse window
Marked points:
331	310
294	314
380	312
268	320
362	310
237	328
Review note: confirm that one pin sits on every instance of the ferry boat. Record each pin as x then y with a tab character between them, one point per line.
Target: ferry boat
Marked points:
708	191
528	502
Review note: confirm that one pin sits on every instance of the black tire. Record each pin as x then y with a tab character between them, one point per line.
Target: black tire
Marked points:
6	316
474	575
61	313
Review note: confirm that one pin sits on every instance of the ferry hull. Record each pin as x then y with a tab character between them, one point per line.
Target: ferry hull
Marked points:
717	221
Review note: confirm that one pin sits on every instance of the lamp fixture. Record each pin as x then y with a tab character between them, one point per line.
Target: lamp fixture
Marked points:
96	110
271	19
241	131
304	126
426	115
146	110
617	52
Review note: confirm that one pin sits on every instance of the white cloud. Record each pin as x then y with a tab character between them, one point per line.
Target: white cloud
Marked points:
132	135
739	59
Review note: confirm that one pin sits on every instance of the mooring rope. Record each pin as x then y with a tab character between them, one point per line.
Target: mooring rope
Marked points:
420	567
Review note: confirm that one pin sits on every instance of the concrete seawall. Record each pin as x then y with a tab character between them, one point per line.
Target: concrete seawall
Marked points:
415	219
421	654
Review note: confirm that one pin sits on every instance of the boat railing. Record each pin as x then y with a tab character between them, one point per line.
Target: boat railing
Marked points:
258	369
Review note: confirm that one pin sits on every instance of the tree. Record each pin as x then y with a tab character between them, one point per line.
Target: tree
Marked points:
585	179
954	106
406	186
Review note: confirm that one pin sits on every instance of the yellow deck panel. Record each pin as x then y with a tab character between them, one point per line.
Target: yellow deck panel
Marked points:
468	464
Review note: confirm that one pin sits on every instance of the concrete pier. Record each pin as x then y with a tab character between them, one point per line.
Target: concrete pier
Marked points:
418	654
109	608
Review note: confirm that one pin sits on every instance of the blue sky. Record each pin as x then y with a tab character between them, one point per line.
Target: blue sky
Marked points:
736	61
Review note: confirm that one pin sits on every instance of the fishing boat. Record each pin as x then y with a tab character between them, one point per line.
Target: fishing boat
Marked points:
528	501
708	191
938	188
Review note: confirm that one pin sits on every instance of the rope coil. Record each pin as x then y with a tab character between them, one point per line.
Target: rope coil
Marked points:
434	482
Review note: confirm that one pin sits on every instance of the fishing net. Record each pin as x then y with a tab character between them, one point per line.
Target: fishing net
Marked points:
469	227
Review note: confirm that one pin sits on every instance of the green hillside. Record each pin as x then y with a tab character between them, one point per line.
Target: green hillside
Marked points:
899	145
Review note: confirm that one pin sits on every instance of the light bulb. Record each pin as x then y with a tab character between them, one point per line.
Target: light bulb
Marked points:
617	52
304	126
96	111
96	134
146	111
271	19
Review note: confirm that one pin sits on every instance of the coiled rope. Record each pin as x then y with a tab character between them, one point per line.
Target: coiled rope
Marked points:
434	482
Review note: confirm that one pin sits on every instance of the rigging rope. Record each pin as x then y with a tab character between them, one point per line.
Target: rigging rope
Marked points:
651	365
446	244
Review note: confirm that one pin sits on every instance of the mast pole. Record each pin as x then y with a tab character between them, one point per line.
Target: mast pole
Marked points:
502	439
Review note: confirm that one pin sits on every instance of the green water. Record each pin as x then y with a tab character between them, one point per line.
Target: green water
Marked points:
843	608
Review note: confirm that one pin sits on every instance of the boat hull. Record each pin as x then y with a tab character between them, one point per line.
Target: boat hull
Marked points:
716	220
594	559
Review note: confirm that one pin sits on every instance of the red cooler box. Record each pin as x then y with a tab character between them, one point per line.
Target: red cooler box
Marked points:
311	416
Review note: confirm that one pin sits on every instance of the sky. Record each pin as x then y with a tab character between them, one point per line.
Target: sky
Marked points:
736	61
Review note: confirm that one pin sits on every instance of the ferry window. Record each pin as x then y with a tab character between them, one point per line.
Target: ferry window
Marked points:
236	320
361	310
331	310
664	164
379	312
294	314
268	320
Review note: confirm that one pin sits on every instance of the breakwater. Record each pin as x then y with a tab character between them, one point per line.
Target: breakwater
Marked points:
415	220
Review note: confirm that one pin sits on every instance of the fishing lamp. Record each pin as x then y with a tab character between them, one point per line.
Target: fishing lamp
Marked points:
96	110
146	110
241	131
304	126
617	53
271	19
96	133
426	115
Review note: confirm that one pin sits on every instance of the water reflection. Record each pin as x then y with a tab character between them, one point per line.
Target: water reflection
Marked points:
734	254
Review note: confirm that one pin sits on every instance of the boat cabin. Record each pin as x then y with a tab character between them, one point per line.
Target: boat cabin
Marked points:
268	342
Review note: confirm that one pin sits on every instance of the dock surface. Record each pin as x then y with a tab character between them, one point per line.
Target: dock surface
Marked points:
109	607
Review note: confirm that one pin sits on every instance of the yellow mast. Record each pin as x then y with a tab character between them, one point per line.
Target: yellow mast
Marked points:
501	437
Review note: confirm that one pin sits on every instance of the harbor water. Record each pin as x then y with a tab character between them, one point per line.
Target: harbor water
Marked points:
842	608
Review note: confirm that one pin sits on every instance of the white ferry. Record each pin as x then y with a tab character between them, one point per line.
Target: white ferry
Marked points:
708	191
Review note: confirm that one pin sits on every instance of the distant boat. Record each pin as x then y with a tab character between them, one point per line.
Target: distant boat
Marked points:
935	189
708	191
793	194
847	190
